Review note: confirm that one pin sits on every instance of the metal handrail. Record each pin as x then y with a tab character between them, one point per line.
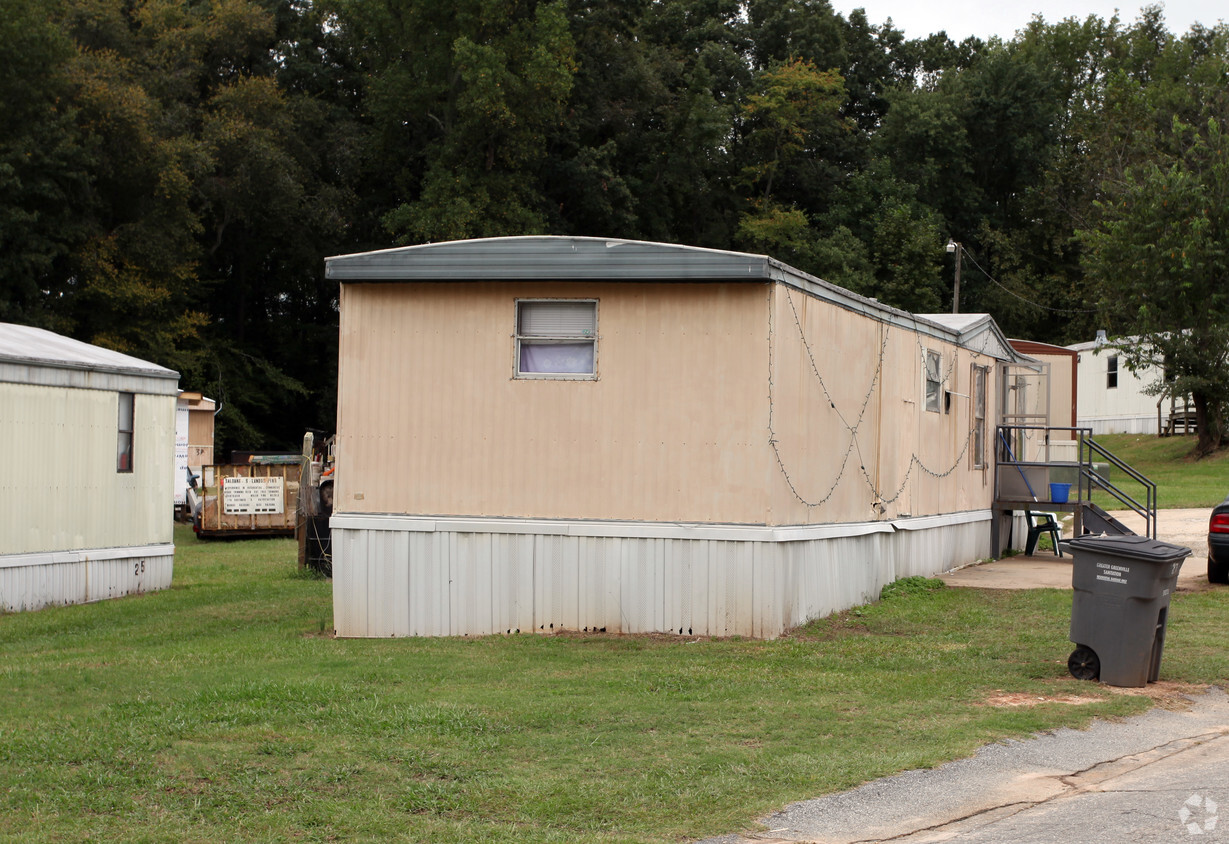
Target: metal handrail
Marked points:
1146	510
1122	496
1087	477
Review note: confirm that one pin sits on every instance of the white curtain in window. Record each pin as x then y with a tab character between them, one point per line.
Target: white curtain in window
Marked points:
561	358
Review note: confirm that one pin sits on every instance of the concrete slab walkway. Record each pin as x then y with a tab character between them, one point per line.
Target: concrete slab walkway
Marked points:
1045	570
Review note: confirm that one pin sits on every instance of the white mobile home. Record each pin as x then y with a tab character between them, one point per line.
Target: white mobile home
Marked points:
1111	399
546	433
86	490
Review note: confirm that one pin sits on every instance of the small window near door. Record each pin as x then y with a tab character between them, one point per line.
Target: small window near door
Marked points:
556	338
979	417
934	365
1111	374
123	461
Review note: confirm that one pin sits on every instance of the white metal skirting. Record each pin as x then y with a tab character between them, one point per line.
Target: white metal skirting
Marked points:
1145	424
402	578
33	581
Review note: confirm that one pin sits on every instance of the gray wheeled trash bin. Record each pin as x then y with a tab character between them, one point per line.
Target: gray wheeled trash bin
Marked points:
1122	587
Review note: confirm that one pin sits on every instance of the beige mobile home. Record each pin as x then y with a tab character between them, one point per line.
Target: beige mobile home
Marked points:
546	433
86	490
193	440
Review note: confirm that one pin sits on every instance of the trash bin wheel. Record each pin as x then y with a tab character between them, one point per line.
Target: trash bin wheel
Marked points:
1084	664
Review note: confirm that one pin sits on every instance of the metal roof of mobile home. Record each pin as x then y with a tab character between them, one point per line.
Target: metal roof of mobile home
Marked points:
31	355
979	331
580	259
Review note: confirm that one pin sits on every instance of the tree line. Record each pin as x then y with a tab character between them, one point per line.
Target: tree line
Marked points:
174	172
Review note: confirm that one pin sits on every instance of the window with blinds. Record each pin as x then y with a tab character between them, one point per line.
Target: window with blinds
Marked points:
556	338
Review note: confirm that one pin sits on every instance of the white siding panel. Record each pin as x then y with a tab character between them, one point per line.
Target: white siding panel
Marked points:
677	583
397	568
735	612
598	583
425	563
641	585
83	579
470	583
60	487
386	609
351	562
916	549
765	586
512	582
556	583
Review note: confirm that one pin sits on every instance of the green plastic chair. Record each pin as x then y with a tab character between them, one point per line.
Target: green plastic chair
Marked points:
1039	524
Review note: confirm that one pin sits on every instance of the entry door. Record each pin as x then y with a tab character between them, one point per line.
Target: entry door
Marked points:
1024	407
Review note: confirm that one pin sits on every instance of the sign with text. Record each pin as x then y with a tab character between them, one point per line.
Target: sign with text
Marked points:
252	496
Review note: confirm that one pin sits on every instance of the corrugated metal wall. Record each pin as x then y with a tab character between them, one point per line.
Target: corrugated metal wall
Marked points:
404	582
78	579
850	423
60	490
430	419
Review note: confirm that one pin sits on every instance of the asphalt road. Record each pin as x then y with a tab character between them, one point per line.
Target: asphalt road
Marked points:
1162	776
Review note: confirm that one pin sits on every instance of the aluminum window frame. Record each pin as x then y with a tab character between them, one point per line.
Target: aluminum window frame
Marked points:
539	339
979	377
932	401
125	440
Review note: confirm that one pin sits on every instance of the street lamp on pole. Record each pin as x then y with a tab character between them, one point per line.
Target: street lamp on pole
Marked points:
953	246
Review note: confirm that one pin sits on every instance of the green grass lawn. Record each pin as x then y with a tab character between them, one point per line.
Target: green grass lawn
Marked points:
221	710
1181	481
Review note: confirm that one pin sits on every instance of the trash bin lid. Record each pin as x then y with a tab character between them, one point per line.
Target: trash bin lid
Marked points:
1135	547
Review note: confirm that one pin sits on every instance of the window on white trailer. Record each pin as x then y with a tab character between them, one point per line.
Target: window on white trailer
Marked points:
123	460
556	338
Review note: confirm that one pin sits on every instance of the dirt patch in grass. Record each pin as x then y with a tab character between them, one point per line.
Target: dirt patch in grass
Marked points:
1167	694
1007	699
1194	586
598	635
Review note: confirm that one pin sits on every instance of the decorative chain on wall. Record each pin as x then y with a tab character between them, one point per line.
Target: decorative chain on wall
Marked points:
853	429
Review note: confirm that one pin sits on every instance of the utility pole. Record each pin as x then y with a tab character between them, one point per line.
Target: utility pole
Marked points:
953	246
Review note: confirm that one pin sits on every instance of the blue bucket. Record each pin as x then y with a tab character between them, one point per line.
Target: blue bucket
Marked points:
1059	493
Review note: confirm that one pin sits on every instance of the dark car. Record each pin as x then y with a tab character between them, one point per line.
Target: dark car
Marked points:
1218	544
